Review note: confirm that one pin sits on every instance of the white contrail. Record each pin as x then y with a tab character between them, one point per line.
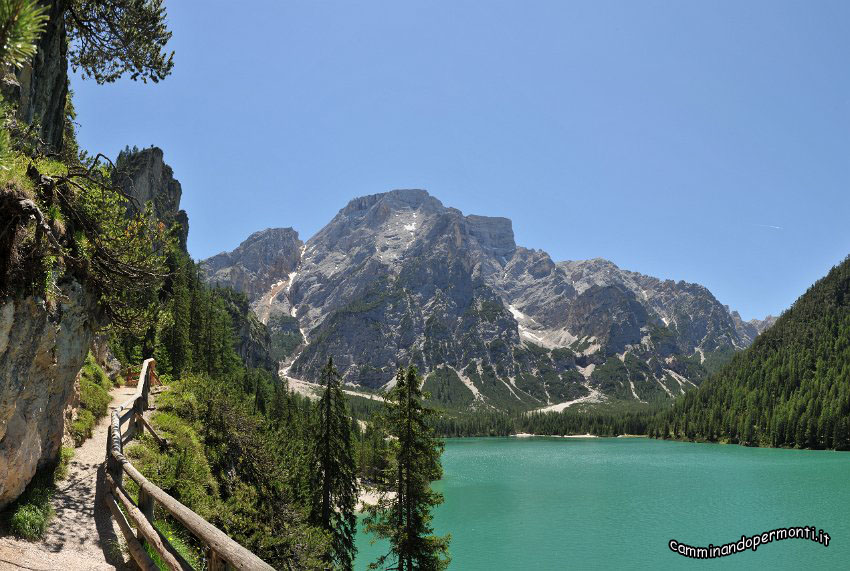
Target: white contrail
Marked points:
771	226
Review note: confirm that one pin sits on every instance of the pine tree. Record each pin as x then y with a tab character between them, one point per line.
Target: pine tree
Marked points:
180	345
334	479
403	512
112	37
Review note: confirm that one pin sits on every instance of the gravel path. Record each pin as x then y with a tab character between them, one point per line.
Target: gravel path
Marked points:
82	534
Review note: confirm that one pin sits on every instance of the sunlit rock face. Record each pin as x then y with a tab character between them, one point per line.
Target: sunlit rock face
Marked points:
399	278
260	267
144	176
42	348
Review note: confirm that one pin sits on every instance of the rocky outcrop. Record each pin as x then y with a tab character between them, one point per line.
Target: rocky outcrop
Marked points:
398	277
144	176
253	343
261	267
748	330
104	357
42	348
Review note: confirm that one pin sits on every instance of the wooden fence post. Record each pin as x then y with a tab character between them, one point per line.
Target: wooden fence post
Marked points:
113	443
138	428
146	389
146	505
214	562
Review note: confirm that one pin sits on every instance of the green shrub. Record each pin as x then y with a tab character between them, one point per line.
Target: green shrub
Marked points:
93	373
180	401
183	471
29	515
94	388
94	400
65	455
82	427
179	539
29	522
31	512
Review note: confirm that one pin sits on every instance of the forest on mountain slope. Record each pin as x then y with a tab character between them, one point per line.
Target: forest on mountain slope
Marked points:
790	388
249	455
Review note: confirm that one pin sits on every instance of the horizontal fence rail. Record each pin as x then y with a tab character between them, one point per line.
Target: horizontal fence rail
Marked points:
222	551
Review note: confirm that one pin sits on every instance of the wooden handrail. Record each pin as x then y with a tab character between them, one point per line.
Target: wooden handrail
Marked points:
225	552
143	560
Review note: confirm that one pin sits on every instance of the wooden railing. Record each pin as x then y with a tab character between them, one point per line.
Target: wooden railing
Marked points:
221	551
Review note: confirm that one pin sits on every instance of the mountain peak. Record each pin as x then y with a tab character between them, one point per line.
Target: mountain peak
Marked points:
394	199
398	277
288	232
257	263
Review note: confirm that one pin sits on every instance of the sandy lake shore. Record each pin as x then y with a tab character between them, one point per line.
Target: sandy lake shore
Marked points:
527	435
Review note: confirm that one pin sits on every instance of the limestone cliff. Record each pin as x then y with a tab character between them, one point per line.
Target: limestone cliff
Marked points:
144	176
42	347
253	343
261	268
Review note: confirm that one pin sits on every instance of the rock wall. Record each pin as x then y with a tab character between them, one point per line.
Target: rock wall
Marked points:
42	348
43	86
145	176
104	357
253	343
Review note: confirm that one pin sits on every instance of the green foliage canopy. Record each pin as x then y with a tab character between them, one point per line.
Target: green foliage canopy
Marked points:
112	37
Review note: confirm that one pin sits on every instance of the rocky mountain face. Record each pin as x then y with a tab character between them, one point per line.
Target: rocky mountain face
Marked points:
260	267
43	343
398	277
144	176
253	343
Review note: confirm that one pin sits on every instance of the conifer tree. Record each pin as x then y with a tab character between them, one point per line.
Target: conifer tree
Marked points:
112	37
180	346
403	512
334	480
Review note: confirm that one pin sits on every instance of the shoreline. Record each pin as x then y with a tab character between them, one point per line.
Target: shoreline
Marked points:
529	435
367	496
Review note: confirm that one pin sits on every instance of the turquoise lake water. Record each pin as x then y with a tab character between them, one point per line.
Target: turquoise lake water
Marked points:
603	503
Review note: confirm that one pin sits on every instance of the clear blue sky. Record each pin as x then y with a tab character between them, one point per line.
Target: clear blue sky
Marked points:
704	141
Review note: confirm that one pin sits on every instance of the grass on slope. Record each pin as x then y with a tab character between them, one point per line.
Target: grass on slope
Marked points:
94	400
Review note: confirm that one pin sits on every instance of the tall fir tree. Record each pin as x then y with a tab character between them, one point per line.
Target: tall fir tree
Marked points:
334	477
403	512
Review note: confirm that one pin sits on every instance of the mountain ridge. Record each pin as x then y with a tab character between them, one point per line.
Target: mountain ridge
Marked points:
399	277
790	388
